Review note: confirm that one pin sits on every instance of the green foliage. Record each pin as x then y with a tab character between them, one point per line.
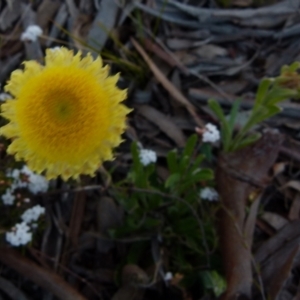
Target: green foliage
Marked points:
213	281
270	92
169	208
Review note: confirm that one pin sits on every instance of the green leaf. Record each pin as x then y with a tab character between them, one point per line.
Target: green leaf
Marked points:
206	150
184	164
225	129
263	114
172	161
172	180
291	68
278	95
203	174
233	113
194	178
196	163
211	280
248	141
261	92
135	157
216	108
190	145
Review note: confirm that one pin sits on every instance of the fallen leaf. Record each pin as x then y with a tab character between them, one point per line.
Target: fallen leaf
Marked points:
294	212
275	220
167	84
163	122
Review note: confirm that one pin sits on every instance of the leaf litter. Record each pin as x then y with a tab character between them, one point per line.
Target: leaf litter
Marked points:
219	49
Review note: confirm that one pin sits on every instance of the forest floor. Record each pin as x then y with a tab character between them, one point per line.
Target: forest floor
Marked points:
142	233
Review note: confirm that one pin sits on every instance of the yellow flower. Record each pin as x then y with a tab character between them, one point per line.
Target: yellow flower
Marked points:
66	116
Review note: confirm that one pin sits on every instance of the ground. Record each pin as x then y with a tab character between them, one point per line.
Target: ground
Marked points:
144	228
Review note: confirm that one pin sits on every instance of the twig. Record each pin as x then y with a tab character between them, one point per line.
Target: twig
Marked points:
45	278
167	84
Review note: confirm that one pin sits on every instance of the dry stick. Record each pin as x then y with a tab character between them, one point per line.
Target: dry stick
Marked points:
45	278
39	254
75	225
255	160
167	84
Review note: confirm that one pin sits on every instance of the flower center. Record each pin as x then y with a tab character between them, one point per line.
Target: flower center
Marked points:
62	108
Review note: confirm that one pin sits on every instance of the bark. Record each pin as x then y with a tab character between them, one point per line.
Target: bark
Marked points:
239	175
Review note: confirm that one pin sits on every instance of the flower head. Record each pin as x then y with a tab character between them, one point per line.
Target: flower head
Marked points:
147	157
33	213
31	33
36	183
209	194
211	133
66	116
19	235
8	198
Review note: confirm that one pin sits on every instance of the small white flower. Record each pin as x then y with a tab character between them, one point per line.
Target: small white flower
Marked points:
31	33
33	213
19	235
168	276
5	96
15	174
8	198
37	183
209	194
147	157
211	134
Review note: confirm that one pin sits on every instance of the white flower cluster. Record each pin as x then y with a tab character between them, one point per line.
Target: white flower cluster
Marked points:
209	194
37	183
147	157
211	133
34	182
20	233
33	213
8	198
31	33
168	276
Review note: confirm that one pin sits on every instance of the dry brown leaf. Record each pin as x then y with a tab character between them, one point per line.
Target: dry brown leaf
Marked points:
275	220
164	123
210	51
294	212
250	221
167	84
81	28
272	255
10	14
279	168
281	275
46	12
287	237
295	184
103	24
